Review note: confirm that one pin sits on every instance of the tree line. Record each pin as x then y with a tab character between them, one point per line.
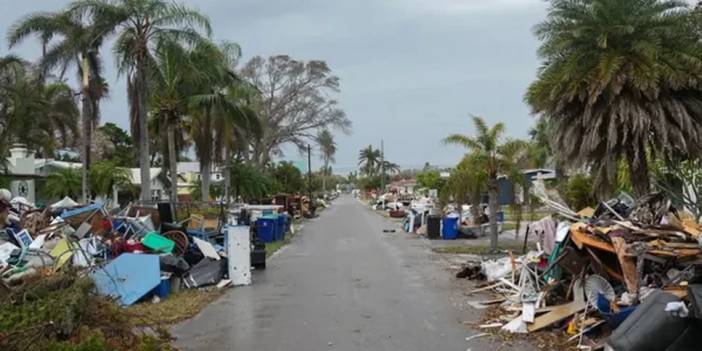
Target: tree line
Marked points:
184	91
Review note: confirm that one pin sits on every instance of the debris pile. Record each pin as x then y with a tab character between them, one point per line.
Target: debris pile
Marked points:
627	274
56	262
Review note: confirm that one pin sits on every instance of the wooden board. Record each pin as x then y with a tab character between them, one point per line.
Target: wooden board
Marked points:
557	314
581	238
627	264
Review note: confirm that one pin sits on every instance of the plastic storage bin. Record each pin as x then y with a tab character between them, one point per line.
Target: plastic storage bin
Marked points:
449	229
265	229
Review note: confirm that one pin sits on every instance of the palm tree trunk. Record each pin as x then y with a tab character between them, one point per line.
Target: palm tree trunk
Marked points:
205	179
492	200
324	178
87	128
638	169
144	165
227	173
173	164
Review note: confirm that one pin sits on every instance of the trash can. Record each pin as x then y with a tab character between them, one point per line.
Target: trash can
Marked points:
500	216
277	235
265	229
282	220
450	228
433	227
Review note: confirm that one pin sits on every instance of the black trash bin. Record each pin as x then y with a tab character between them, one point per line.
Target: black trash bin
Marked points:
434	227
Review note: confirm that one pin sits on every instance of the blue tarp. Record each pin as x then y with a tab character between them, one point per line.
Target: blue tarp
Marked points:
129	277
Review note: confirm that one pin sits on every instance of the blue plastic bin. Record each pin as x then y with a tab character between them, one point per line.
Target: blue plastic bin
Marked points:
277	235
500	216
449	229
163	289
265	229
282	227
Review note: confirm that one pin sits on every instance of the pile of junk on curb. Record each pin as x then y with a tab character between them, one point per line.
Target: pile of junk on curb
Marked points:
135	253
626	275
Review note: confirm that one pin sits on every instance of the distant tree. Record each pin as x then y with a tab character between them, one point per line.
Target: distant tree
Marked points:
430	179
467	183
493	155
249	182
289	178
327	147
106	175
297	101
121	150
369	160
62	183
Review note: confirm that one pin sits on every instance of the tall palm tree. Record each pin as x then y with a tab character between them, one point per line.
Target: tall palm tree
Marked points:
620	77
236	127
79	42
327	146
493	156
173	77
369	160
140	25
210	108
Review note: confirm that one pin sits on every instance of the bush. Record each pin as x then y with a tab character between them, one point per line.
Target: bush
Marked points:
579	192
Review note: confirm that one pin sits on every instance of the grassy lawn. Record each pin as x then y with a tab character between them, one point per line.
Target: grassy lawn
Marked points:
177	307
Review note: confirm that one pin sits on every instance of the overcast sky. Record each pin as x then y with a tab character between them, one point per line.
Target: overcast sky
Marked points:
412	71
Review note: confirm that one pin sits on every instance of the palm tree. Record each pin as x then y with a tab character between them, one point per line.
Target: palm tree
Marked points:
468	182
140	25
327	146
388	166
493	156
80	39
620	77
369	160
32	112
62	183
173	76
105	176
216	109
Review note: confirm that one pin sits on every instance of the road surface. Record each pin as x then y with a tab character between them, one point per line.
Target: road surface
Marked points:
342	284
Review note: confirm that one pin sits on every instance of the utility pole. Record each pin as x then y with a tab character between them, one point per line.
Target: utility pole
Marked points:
309	171
382	167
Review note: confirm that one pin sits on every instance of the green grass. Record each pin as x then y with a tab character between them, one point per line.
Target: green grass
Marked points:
481	250
271	248
177	307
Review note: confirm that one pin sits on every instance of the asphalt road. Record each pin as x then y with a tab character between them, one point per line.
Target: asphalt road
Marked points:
342	284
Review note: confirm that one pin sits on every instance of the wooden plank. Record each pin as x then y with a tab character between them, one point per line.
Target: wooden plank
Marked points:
580	238
627	264
558	314
486	288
